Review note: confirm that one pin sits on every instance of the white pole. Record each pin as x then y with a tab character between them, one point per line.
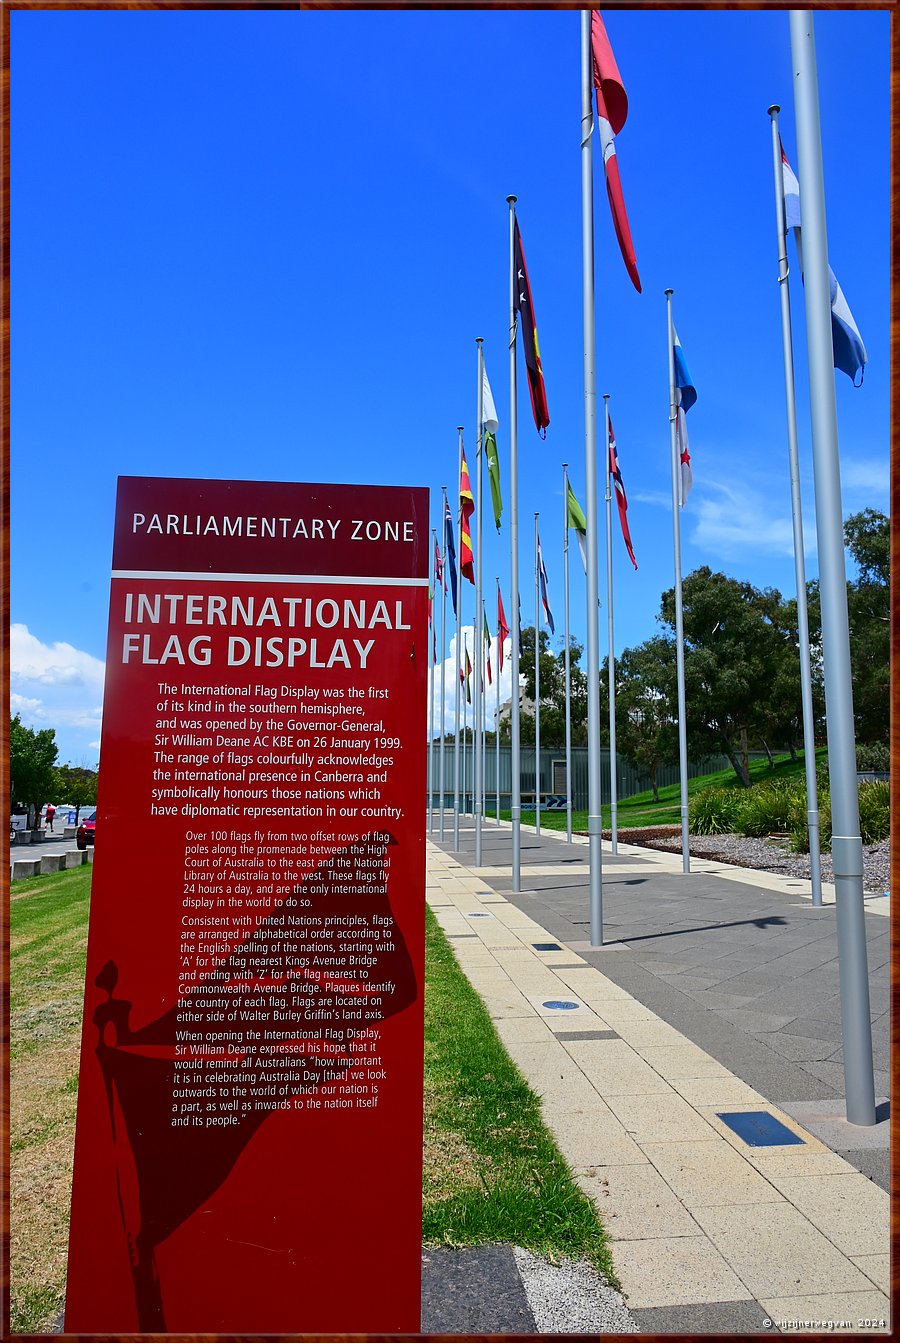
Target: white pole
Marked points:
846	842
679	626
595	816
443	660
809	734
479	642
456	757
432	642
537	682
497	717
567	663
516	782
611	664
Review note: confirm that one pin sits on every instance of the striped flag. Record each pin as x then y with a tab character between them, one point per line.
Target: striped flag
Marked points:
450	550
575	520
524	306
612	110
466	678
542	575
621	499
847	344
502	629
487	656
466	509
439	566
685	396
490	424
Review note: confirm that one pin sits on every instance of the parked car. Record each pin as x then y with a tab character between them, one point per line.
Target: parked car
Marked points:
84	835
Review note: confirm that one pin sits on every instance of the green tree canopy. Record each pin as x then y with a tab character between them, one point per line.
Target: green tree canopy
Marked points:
646	707
32	756
76	785
867	537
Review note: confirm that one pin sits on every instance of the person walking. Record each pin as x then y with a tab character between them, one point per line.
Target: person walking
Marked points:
50	813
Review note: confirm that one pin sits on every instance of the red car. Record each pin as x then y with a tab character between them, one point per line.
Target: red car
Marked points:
84	835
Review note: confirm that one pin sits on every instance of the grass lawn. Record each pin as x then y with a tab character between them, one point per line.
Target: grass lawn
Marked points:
640	810
491	1170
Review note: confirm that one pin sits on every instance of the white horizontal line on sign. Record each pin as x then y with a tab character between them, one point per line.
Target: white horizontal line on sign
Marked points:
363	580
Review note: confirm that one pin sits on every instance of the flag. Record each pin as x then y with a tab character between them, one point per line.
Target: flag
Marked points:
521	649
490	424
846	342
685	396
542	575
431	623
612	109
466	509
525	308
439	566
575	520
467	678
450	550
502	629
487	656
621	499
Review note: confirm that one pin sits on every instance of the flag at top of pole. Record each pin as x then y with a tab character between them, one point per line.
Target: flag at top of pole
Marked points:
490	425
612	110
575	520
450	550
685	396
502	629
542	574
847	344
487	654
621	499
525	308
466	509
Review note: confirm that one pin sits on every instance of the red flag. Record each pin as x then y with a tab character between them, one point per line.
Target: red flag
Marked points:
466	509
612	109
439	566
525	308
502	630
621	500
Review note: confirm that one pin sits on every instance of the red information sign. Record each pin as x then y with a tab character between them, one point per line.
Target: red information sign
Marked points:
248	1146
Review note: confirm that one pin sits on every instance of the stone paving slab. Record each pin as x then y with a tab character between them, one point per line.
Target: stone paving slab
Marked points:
633	1101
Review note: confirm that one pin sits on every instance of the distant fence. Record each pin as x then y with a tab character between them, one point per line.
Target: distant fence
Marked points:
553	774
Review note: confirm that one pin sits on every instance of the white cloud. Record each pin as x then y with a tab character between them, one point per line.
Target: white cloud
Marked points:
58	686
59	664
728	517
865	476
467	712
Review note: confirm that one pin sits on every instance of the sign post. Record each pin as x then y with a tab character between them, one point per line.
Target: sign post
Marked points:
248	1144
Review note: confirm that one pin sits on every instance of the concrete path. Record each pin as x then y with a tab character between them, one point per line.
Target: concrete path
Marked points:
716	995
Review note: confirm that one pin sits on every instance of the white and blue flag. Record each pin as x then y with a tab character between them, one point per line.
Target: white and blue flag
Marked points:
685	396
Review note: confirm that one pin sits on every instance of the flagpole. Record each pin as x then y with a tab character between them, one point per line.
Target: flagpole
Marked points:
456	759
515	782
567	664
846	842
809	739
443	663
431	711
595	816
679	625
611	664
479	642
537	682
497	718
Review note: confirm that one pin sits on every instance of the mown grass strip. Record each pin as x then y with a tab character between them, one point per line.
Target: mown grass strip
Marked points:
493	1171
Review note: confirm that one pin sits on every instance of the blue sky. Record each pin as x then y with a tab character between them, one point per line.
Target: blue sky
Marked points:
260	245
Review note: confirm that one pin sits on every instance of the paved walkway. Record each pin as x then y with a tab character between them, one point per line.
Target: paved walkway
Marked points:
717	993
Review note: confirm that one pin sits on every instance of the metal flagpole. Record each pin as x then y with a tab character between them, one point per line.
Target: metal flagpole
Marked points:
443	661
611	665
456	759
809	737
431	712
464	704
567	663
679	626
479	641
516	782
846	843
537	682
595	818
497	719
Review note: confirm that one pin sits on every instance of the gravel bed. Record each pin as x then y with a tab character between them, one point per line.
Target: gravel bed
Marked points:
571	1297
768	855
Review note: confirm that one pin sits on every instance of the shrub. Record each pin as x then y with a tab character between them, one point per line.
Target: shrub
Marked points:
714	811
765	808
873	756
874	811
796	821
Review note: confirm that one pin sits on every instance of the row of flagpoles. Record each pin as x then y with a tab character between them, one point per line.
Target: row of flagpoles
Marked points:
829	314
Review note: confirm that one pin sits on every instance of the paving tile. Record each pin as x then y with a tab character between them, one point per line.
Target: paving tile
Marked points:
590	1135
681	1060
830	1311
675	1271
522	1030
800	1048
877	1267
776	1252
719	1091
852	1212
727	1318
636	1203
705	1174
615	1069
660	1119
650	1030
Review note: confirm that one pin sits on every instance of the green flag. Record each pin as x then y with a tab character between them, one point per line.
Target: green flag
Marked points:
491	424
575	519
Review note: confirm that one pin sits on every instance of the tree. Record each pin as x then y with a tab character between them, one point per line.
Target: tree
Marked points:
32	756
867	537
737	646
553	692
77	785
646	707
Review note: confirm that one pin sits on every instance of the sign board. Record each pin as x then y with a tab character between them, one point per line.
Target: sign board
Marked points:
249	1133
